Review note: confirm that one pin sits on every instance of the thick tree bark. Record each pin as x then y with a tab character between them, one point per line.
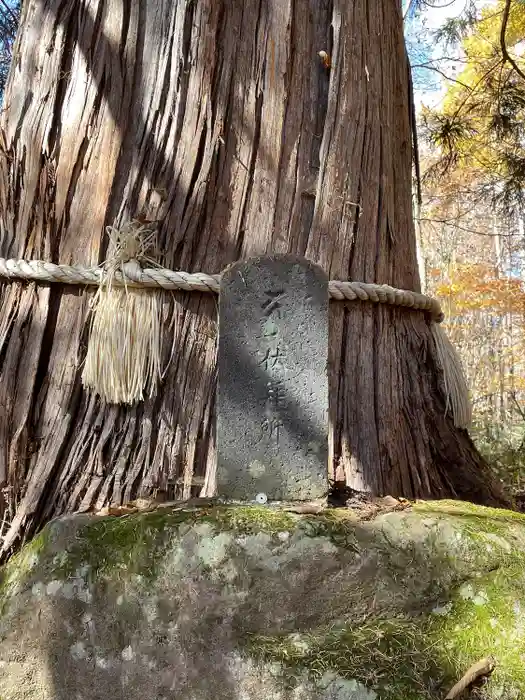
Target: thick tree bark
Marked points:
217	119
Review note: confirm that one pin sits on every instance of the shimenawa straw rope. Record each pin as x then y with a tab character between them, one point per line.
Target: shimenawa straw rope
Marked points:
123	360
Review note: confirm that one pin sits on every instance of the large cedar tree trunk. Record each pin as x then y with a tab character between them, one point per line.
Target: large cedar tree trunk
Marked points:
218	119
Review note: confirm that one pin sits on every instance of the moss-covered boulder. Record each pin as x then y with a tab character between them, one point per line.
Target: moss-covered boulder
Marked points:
250	602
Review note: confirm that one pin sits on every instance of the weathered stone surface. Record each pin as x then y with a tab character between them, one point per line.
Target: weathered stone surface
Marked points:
249	603
272	400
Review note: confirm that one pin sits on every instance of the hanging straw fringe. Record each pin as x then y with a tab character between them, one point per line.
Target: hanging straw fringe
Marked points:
123	358
456	389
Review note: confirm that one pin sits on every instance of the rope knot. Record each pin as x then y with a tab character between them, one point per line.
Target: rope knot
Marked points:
130	243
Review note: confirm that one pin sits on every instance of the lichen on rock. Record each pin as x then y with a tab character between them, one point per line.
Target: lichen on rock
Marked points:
249	601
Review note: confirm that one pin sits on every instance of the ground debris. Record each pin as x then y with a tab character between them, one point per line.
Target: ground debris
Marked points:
146	505
476	672
363	504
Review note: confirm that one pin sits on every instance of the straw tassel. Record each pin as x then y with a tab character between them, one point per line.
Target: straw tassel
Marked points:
456	388
123	361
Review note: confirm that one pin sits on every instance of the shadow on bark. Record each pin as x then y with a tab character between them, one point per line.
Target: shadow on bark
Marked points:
107	453
152	83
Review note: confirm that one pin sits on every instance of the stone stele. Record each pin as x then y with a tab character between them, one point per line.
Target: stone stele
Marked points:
272	412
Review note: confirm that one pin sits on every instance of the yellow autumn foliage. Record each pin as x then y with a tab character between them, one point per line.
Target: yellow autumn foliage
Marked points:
472	103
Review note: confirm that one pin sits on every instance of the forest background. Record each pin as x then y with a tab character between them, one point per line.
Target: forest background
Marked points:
468	73
468	64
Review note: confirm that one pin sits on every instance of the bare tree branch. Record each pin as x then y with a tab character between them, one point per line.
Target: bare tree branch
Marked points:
454	224
442	73
10	12
506	56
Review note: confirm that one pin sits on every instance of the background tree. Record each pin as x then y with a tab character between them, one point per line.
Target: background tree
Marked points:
218	120
480	123
9	19
471	218
474	262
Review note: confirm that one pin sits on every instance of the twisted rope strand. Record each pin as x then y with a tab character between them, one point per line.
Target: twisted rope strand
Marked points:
134	276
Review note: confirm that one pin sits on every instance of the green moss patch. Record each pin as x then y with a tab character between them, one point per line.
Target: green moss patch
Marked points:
338	525
416	657
119	546
252	519
492	517
386	655
135	543
429	591
420	656
18	569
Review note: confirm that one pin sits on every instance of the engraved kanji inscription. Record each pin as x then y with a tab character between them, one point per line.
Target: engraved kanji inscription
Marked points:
272	304
272	399
273	358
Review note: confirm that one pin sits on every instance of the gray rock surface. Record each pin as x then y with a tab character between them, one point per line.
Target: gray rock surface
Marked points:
250	603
